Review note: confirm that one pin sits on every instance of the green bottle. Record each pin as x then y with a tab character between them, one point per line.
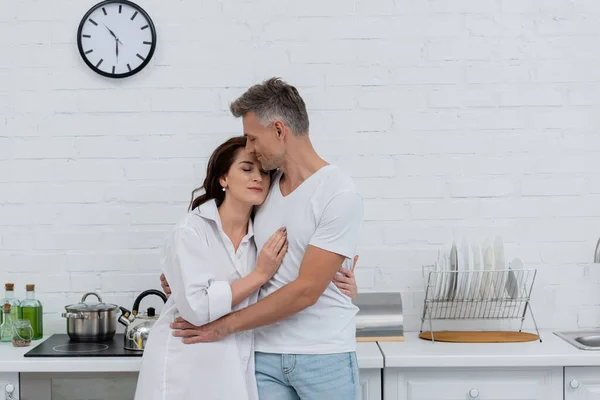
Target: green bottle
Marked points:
31	310
6	331
9	297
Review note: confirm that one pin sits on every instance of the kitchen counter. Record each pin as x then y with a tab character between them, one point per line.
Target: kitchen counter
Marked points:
12	360
552	351
412	353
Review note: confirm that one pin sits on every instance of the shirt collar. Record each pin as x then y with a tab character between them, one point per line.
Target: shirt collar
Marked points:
208	210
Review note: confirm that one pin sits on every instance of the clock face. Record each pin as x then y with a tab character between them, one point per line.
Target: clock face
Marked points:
116	38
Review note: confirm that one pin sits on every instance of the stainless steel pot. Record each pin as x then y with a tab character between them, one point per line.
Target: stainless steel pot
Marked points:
91	322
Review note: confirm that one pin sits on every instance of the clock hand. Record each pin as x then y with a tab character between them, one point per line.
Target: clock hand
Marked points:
117	45
111	32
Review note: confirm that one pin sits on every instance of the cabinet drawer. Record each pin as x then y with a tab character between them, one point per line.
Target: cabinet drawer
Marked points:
582	383
370	384
474	383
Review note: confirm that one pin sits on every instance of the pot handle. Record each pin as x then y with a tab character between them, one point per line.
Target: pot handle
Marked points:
75	315
136	304
92	294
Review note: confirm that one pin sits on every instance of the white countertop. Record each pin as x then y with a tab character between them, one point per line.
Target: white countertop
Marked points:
552	351
412	353
12	360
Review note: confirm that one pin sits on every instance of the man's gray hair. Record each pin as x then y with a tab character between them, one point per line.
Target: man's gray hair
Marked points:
274	100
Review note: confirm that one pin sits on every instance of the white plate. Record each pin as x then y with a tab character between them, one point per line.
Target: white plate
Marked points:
437	281
477	275
459	270
463	268
481	273
430	281
470	292
488	266
514	284
441	292
451	277
500	266
445	281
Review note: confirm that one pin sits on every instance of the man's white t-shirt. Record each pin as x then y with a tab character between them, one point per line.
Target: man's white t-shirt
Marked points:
325	211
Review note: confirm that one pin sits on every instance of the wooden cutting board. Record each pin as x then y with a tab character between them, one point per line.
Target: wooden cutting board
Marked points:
480	336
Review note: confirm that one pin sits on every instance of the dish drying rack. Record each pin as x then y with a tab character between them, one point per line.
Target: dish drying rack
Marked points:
477	295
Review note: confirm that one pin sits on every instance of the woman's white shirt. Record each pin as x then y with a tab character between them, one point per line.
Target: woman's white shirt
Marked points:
200	263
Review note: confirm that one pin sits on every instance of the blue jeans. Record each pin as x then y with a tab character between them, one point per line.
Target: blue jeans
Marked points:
307	376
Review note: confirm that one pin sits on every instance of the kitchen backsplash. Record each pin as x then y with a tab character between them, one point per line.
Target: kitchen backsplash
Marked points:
470	117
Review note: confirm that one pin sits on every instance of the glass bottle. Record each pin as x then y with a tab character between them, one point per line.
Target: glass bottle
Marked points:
6	329
10	298
31	310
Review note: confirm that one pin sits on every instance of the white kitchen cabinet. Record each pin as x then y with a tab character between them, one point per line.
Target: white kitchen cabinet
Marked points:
78	385
370	384
582	383
94	386
473	383
9	385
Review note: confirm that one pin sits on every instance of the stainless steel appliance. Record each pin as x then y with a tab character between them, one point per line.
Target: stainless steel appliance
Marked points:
380	317
138	325
91	322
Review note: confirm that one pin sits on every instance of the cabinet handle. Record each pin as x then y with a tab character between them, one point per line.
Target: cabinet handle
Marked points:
9	390
574	383
474	393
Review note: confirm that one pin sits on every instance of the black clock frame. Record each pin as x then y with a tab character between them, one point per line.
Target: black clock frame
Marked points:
128	73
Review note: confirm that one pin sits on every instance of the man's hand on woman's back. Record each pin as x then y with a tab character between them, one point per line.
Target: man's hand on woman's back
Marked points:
165	285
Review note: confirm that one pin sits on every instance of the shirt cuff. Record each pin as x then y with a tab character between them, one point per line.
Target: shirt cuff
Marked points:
219	300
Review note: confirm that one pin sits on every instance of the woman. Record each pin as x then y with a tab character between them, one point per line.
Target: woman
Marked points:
212	268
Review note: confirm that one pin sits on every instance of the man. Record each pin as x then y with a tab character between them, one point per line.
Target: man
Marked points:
304	325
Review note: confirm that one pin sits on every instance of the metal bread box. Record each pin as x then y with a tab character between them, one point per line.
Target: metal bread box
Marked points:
380	317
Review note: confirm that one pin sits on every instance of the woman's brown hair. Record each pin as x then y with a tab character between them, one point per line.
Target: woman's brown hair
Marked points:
219	163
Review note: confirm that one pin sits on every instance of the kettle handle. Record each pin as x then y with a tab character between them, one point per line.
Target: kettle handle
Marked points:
136	303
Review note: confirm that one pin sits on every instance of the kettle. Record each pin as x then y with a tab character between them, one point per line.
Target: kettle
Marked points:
137	327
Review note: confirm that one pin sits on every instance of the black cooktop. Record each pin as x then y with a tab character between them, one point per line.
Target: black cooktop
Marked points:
60	345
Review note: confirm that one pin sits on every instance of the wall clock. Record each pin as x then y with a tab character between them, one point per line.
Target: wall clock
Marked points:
116	38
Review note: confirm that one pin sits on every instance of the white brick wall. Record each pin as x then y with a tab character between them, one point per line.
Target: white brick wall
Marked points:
470	117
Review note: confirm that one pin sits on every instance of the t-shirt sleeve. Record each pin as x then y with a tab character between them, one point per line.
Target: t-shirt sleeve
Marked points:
339	227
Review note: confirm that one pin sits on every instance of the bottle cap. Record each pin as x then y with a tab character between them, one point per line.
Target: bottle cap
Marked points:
9	286
30	287
6	308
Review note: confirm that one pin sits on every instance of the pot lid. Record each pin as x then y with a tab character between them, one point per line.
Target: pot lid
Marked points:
83	306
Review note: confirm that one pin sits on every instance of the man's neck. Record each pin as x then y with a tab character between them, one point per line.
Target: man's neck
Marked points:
300	163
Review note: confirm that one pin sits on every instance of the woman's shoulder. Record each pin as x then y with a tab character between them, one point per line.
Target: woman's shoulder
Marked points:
192	221
190	229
